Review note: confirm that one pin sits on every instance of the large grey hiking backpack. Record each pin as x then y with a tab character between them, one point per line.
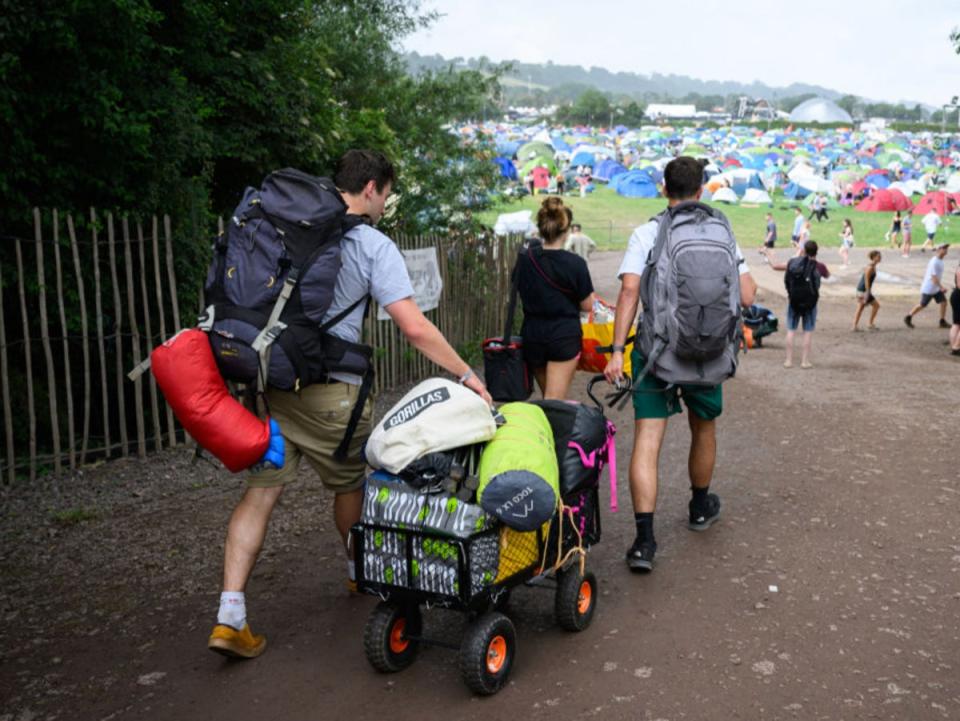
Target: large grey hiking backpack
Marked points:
690	328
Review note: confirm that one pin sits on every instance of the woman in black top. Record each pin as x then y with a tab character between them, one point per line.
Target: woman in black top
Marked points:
554	286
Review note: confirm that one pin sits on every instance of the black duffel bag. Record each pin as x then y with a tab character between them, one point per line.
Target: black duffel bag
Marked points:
505	372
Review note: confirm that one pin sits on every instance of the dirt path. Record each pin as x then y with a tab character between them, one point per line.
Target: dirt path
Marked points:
829	590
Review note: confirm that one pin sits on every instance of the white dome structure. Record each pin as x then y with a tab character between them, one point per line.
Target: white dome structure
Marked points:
819	110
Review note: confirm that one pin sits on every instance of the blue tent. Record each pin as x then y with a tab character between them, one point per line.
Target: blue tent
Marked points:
507	148
795	192
634	184
507	169
559	143
607	169
878	180
741	184
583	158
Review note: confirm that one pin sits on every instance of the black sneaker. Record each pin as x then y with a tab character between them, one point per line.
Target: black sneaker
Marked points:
640	556
908	320
703	516
944	324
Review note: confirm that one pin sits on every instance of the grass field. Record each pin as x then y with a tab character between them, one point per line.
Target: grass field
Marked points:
609	219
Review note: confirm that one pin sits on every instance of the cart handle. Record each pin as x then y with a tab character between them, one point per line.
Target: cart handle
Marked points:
621	390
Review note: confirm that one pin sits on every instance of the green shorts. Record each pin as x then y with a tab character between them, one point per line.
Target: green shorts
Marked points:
313	422
652	398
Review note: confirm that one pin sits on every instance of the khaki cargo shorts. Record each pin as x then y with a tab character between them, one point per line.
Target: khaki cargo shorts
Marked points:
313	422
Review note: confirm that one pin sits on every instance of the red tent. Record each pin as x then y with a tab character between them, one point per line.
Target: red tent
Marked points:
936	200
541	177
885	201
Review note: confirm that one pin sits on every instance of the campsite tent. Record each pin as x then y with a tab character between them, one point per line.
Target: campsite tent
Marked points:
537	163
607	169
634	184
753	195
534	149
795	191
938	201
541	177
724	195
885	201
507	169
584	157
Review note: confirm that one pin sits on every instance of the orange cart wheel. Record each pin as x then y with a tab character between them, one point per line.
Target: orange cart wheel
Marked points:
576	599
387	638
487	653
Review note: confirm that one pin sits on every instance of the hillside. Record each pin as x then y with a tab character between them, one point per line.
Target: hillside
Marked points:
636	85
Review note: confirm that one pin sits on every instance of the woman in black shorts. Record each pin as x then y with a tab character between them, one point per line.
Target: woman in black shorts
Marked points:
554	286
894	233
955	308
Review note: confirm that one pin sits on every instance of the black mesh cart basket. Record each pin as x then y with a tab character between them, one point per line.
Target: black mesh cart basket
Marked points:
412	568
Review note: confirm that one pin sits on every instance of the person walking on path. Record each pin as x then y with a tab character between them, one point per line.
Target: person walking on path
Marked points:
797	226
893	235
804	236
931	221
314	419
654	401
846	241
579	243
770	238
932	288
802	280
907	233
865	295
955	309
554	286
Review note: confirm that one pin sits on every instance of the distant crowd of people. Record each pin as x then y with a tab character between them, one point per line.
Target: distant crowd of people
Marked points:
804	272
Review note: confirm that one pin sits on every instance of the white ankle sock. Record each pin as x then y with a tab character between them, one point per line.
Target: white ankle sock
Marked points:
233	609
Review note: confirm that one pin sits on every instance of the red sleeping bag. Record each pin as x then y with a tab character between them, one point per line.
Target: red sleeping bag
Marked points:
188	376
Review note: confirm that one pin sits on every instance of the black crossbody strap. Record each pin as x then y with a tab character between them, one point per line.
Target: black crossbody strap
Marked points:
546	276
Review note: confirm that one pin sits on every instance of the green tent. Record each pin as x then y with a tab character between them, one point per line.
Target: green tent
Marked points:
534	149
545	162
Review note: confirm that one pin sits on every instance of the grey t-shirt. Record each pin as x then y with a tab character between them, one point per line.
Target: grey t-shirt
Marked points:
371	265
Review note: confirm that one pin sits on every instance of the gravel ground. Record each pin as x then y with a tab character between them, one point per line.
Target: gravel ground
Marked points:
828	590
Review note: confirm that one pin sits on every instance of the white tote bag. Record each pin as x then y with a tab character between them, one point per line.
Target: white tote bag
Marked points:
437	415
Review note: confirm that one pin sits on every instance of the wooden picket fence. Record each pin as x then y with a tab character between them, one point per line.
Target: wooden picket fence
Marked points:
116	297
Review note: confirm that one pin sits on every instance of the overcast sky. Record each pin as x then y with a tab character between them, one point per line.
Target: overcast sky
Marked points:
882	50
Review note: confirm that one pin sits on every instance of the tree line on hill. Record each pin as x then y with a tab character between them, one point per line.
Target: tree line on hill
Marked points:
591	95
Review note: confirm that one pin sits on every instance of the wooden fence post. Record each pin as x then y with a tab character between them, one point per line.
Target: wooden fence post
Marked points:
148	324
67	369
45	342
84	325
31	410
171	274
5	380
104	398
118	335
135	339
158	289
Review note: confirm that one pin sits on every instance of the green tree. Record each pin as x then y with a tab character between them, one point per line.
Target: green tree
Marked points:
172	105
591	107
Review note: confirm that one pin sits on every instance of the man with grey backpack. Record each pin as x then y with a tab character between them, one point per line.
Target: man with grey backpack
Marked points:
688	271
